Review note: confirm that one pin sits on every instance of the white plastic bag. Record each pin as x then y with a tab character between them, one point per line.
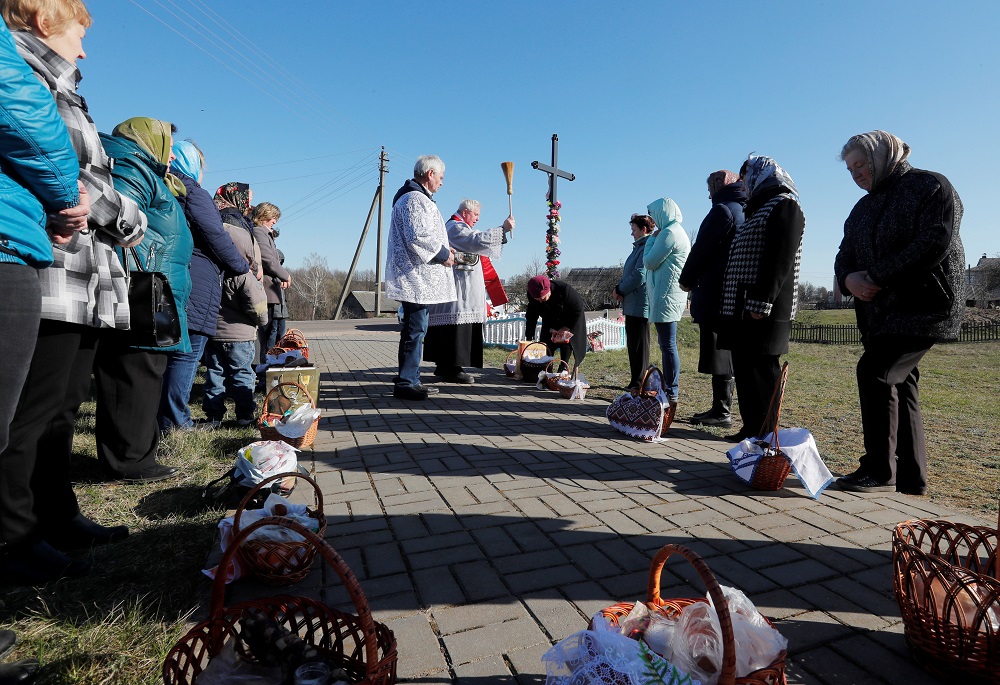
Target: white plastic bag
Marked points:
660	634
264	458
757	643
296	424
697	643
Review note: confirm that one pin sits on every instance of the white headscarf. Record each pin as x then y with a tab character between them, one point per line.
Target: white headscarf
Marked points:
885	152
763	173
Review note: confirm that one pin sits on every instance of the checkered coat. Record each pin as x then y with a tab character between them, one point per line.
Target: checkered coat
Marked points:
762	275
86	282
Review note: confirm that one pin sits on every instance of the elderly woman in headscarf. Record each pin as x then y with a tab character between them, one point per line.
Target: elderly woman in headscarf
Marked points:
903	260
128	377
230	354
664	255
214	255
702	277
760	287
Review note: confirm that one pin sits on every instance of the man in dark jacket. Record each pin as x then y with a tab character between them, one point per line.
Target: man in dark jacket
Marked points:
562	310
702	277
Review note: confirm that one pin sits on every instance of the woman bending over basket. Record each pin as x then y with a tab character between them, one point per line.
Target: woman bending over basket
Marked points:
562	310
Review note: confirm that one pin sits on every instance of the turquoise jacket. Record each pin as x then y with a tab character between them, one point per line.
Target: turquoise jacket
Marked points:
38	167
168	244
664	258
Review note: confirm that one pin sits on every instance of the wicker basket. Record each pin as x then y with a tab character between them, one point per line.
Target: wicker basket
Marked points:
774	467
946	579
294	340
355	642
530	367
274	408
510	364
774	674
566	389
552	376
273	561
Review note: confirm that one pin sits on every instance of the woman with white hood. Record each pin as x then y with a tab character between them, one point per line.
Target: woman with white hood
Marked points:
665	253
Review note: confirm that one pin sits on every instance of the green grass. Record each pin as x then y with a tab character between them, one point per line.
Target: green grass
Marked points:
958	384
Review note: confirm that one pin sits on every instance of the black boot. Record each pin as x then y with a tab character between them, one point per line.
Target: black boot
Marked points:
722	403
21	672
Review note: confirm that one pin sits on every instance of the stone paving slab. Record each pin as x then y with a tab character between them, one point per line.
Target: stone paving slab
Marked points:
492	520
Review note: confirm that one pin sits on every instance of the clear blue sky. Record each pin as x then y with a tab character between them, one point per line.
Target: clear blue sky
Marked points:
648	98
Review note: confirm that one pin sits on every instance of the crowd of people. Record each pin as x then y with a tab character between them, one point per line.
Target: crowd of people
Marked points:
80	211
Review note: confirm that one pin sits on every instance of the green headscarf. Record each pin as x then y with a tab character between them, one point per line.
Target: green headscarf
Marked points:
154	137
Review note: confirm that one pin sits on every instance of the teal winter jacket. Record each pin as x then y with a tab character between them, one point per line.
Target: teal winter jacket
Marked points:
168	243
664	258
632	287
38	167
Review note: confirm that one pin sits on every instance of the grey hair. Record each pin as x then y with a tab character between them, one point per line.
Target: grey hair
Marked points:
467	204
855	143
425	164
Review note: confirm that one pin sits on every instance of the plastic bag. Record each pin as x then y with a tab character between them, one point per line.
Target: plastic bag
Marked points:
660	634
295	424
697	643
264	458
227	668
757	643
636	622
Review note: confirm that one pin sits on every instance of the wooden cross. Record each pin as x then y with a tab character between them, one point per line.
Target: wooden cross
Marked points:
553	171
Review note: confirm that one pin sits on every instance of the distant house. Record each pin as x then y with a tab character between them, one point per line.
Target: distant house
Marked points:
595	284
982	283
360	304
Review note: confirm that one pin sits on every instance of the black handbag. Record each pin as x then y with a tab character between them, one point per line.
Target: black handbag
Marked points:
153	319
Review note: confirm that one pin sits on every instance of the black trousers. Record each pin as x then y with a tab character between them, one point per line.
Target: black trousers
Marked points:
41	434
128	397
20	311
895	445
637	344
756	376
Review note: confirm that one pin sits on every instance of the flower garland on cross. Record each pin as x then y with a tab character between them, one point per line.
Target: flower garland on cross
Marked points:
552	250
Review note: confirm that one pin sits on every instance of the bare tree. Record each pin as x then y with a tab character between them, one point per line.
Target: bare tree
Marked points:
517	286
311	284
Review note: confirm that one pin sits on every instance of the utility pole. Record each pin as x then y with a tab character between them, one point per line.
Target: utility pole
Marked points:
383	169
376	202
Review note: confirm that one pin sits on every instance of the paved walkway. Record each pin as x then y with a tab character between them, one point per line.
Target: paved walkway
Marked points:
493	520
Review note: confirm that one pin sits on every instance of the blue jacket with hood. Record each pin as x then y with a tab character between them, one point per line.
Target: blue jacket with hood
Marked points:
664	258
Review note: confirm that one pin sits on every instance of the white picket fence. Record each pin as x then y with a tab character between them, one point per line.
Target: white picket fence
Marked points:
507	332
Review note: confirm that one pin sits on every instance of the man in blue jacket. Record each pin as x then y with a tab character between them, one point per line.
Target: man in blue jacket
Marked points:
39	175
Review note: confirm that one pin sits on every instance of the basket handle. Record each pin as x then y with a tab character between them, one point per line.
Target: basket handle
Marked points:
774	408
510	356
728	674
335	561
645	378
561	361
267	397
531	345
270	479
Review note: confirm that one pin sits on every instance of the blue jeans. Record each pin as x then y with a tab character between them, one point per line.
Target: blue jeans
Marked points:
666	336
411	343
178	380
229	371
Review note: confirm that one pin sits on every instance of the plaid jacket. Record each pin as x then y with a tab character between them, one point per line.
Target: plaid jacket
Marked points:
86	283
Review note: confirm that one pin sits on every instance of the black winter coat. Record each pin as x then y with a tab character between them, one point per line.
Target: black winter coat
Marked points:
214	253
706	264
565	308
905	234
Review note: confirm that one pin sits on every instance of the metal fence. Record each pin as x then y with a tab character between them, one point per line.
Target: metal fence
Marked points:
507	332
846	334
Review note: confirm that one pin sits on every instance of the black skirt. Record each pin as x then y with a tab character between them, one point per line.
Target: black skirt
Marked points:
455	345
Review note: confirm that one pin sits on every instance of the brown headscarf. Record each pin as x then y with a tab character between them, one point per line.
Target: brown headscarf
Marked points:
884	151
155	137
234	195
717	180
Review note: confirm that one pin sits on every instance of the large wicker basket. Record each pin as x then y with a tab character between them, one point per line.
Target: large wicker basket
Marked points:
946	579
273	561
774	467
289	396
355	642
774	674
294	340
530	366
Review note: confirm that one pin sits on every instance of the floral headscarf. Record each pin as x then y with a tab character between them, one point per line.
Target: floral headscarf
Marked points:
153	136
718	180
763	173
884	151
233	195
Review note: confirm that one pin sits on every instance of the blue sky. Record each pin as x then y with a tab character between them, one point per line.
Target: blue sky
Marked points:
648	98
